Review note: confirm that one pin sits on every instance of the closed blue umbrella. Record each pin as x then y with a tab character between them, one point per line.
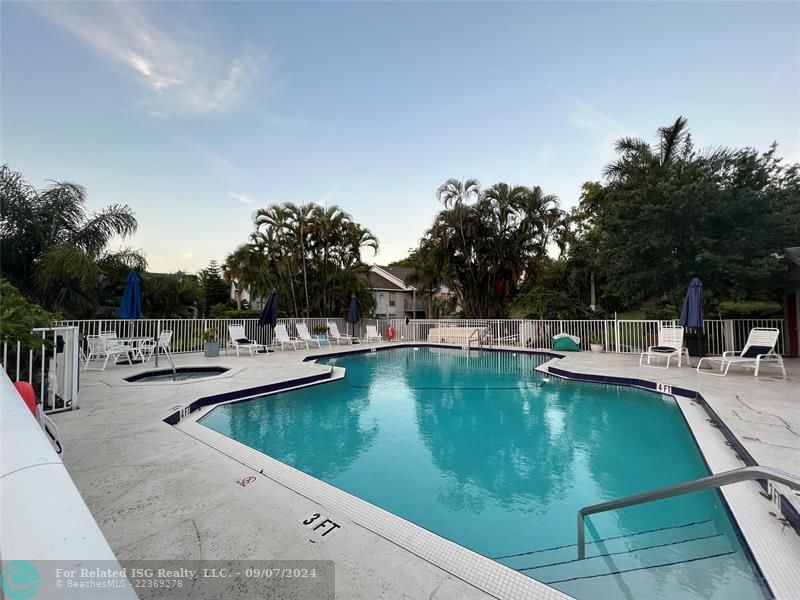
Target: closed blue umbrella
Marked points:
131	307
352	314
692	313
269	316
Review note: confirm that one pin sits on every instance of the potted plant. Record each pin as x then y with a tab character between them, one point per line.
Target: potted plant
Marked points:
320	332
596	344
212	345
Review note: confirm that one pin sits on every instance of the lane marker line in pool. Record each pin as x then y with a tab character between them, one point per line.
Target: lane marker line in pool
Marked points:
616	537
669	564
564	562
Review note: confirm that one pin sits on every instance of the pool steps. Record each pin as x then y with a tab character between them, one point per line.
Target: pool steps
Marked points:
665	548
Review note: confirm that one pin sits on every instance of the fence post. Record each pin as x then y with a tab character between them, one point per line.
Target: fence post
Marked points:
75	352
158	337
616	333
605	335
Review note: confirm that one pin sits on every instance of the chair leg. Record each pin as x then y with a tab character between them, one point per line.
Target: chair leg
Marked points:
105	362
758	366
780	363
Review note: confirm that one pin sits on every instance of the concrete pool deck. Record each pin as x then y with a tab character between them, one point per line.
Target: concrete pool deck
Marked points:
158	493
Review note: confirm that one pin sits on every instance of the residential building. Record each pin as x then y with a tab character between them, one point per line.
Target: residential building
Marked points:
394	298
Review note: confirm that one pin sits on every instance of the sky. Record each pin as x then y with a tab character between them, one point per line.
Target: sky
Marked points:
197	114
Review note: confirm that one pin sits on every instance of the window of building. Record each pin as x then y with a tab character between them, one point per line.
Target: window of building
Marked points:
391	298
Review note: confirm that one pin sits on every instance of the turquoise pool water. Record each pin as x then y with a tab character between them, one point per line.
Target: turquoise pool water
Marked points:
479	449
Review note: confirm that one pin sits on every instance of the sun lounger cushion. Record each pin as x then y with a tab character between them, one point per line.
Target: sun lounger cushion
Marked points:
754	351
566	344
243	341
665	349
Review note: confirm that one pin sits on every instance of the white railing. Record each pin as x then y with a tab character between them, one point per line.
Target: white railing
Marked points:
616	335
187	334
52	368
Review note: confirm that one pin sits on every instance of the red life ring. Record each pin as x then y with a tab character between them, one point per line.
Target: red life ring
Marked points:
28	394
390	333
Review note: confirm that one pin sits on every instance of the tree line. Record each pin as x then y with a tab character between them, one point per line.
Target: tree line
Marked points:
310	254
663	214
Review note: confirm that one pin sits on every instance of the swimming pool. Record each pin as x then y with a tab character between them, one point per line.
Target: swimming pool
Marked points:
478	449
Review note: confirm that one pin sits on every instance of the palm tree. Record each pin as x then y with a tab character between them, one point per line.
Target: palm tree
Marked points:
322	244
674	141
234	270
54	250
483	251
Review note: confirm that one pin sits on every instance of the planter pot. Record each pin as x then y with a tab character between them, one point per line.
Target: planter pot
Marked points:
212	349
596	347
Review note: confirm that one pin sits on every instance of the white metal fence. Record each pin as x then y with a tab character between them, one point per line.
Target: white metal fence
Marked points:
621	336
52	367
187	334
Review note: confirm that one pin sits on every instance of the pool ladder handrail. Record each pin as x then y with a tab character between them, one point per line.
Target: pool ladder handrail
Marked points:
696	485
477	339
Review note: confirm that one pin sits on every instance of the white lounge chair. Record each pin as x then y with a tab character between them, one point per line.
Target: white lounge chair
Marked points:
303	334
103	346
239	339
372	334
670	345
334	335
149	347
282	338
760	348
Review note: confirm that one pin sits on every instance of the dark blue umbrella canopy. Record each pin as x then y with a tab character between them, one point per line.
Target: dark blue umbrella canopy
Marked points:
692	313
269	316
131	307
352	314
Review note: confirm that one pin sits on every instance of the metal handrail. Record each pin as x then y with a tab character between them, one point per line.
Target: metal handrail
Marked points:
696	485
478	339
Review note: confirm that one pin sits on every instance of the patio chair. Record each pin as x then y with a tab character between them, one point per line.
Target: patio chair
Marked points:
303	334
282	338
372	334
102	346
149	347
759	348
239	339
334	335
670	345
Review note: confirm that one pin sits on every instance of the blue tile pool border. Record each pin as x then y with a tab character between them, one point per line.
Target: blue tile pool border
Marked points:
245	394
368	350
212	371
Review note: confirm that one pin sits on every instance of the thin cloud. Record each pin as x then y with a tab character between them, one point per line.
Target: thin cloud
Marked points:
243	198
179	76
323	200
604	128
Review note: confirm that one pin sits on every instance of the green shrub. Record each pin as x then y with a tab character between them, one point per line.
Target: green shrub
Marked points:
750	309
18	317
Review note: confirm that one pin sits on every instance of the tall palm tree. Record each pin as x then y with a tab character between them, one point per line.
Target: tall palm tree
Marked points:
636	154
234	270
53	249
